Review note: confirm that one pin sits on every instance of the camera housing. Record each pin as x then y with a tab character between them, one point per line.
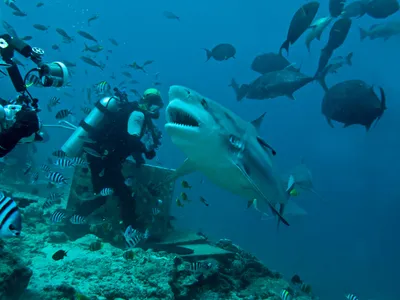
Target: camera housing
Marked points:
54	74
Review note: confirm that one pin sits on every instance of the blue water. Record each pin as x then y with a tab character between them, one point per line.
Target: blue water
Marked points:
349	244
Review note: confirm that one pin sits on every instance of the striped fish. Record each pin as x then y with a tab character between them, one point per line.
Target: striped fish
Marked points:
45	168
56	177
197	266
59	154
10	217
79	161
53	198
64	163
53	101
155	211
102	88
57	217
132	237
34	177
62	114
86	110
107	192
285	295
77	220
351	297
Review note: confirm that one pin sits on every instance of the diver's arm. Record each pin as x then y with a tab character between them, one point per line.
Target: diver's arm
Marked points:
25	125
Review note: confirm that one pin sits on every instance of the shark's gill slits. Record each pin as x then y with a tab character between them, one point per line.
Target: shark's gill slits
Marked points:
182	118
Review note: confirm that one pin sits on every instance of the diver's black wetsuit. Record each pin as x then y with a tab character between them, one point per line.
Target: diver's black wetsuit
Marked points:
114	139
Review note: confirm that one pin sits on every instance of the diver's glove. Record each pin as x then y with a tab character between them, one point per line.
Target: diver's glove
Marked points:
150	154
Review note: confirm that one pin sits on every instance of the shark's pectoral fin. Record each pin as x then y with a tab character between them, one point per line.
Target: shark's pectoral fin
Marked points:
292	209
259	192
186	168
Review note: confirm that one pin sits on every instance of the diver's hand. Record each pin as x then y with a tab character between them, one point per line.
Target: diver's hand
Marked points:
26	123
150	154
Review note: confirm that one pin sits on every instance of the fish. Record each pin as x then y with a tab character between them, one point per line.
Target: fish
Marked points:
64	163
198	266
221	52
351	297
87	140
271	62
381	9
56	177
338	62
130	181
227	149
91	152
59	153
185	184
39	4
113	41
91	62
317	28
62	114
79	161
107	192
26	38
137	67
57	216
355	9
34	177
353	102
28	169
53	198
204	201
66	37
77	220
60	254
184	197
92	18
55	47
127	74
179	203
93	48
285	295
53	102
102	88
45	168
86	110
336	7
87	36
300	22
10	217
41	27
171	15
381	31
19	13
132	237
10	30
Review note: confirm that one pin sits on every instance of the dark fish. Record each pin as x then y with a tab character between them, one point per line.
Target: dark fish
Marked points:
56	177
28	168
86	35
60	254
171	15
19	13
10	30
92	152
127	74
337	36
92	18
272	85
353	102
355	9
136	66
10	217
91	62
39	4
55	47
53	102
381	9
62	114
148	62
336	7
57	217
204	201
94	48
64	35
338	62
381	31
40	27
113	41
270	62
221	52
301	21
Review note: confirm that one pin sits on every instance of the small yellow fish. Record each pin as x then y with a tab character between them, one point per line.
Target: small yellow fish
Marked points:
294	193
184	197
185	184
179	203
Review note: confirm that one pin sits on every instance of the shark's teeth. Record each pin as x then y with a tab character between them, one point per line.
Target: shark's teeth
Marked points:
181	117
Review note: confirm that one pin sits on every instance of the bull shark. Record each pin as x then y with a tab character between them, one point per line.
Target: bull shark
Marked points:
226	149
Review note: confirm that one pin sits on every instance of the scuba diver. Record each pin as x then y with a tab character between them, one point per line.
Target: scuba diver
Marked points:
117	127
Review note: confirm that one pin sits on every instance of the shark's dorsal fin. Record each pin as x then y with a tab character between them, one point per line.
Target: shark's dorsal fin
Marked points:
265	145
257	122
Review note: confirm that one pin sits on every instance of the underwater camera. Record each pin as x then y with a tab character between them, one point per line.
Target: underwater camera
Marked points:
54	74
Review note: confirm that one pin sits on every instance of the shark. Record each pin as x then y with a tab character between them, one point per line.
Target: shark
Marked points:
226	149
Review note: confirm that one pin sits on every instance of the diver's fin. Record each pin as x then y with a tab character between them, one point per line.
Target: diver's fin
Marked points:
257	122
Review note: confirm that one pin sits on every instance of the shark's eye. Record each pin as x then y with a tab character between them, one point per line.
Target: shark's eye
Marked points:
235	142
204	103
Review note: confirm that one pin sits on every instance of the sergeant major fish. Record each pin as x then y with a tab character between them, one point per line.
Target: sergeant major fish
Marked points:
10	217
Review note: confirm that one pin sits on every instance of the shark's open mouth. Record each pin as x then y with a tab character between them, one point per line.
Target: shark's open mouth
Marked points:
180	117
